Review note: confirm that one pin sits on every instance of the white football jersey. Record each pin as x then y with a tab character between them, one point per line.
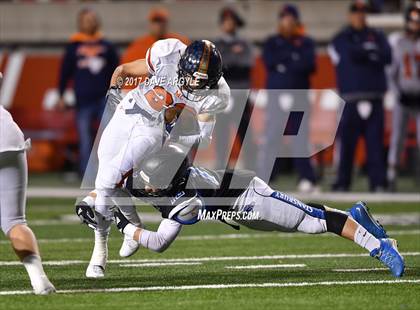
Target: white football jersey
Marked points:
162	61
404	74
11	137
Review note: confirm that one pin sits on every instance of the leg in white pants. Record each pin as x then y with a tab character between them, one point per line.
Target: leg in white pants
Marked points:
277	211
280	212
13	180
124	144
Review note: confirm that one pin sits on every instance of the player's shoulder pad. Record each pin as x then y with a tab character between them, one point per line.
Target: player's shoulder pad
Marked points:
167	46
160	49
186	213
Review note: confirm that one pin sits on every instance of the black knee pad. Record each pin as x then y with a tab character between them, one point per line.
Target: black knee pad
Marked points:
335	221
316	205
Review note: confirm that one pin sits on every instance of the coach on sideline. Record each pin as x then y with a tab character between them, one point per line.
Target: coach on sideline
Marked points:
360	54
289	58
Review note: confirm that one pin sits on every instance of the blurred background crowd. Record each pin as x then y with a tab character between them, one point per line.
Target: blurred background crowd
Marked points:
58	56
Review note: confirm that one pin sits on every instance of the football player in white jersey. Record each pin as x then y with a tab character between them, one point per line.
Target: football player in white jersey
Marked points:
13	182
404	86
180	77
181	192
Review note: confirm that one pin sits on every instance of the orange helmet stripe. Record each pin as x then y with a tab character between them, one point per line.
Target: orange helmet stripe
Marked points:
205	58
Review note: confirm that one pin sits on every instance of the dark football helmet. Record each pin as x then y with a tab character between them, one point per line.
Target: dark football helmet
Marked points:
164	171
199	69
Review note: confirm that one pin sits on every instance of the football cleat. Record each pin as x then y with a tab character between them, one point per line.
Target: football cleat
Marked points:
43	286
360	213
388	254
95	271
128	247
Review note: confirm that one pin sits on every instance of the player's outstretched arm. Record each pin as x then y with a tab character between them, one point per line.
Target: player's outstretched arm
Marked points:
157	241
137	68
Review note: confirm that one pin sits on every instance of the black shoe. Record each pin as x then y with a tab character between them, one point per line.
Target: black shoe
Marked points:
86	214
120	220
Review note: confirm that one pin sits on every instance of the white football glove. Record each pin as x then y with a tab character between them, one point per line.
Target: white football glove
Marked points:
113	97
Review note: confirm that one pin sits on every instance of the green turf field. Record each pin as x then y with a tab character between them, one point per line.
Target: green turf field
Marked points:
204	268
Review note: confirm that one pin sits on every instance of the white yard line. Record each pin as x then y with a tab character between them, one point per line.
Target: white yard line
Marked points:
160	264
360	269
220	286
206	259
47	263
266	266
404	232
229	236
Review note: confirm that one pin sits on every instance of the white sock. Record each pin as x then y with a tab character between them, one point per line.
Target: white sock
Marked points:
100	250
144	238
129	230
34	269
365	239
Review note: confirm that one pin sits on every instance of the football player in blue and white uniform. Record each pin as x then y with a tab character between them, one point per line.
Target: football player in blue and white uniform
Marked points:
193	190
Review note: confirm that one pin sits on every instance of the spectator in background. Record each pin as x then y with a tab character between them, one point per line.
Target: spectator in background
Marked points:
158	29
289	58
237	63
404	86
360	54
89	61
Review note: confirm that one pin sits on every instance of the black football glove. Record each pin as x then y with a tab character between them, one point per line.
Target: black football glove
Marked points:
86	215
120	220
